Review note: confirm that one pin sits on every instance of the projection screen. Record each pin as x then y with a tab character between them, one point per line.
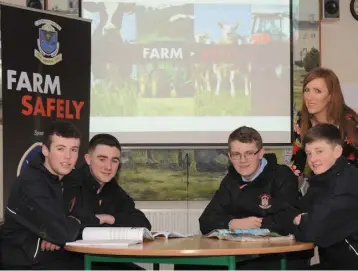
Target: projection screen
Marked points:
190	72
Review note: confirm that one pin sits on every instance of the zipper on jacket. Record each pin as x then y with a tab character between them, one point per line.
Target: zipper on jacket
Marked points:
37	247
11	211
351	247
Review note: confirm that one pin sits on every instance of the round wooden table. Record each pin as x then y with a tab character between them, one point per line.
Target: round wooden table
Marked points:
194	250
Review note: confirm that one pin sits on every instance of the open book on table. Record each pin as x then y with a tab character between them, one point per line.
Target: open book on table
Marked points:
248	235
168	234
119	236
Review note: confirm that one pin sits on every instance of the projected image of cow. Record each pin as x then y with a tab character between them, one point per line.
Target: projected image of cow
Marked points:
164	22
221	71
113	61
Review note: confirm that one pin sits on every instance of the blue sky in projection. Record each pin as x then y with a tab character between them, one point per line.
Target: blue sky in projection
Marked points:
208	16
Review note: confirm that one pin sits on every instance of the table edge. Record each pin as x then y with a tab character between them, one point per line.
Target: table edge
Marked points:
189	253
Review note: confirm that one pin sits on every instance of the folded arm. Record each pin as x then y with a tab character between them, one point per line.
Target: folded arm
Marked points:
329	222
43	214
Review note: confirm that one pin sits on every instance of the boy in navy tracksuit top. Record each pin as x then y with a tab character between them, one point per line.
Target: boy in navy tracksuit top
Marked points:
37	226
329	210
92	193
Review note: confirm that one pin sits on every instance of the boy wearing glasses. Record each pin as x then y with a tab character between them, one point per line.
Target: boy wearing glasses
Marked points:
255	193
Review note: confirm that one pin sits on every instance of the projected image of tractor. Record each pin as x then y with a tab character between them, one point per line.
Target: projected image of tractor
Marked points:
269	27
270	38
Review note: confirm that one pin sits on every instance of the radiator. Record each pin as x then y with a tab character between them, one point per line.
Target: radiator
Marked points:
178	220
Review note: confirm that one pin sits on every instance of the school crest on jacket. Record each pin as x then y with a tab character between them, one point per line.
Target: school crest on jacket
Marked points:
265	201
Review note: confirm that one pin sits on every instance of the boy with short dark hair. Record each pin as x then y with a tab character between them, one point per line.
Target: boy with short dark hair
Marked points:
92	193
36	225
329	209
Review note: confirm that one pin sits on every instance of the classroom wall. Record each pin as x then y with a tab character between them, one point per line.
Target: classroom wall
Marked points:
339	41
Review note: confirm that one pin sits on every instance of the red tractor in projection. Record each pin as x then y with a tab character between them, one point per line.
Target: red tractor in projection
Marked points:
270	37
270	27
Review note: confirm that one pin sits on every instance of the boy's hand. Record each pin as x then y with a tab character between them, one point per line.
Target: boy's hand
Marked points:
106	219
45	245
251	222
297	219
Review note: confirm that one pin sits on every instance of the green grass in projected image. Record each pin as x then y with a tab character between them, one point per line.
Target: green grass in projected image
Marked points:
166	107
209	104
111	100
204	104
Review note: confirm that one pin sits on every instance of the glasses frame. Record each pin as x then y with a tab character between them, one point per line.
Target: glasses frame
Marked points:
245	156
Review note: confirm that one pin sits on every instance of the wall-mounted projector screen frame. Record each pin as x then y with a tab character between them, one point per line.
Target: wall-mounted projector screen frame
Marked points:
156	84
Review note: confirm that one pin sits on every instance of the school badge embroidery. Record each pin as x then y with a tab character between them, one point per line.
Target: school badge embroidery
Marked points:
265	201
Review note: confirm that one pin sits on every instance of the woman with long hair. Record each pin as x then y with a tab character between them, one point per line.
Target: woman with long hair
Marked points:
323	102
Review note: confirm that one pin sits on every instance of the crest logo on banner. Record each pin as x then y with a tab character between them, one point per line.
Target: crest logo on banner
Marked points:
47	43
